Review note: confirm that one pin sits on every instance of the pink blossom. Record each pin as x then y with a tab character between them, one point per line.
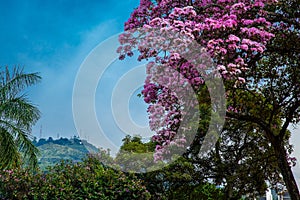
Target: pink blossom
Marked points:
233	38
232	47
244	47
241	80
247	36
247	22
221	67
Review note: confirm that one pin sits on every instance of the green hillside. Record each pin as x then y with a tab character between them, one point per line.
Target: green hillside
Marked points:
53	151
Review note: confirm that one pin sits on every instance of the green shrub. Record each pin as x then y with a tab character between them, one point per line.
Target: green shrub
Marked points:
84	180
205	191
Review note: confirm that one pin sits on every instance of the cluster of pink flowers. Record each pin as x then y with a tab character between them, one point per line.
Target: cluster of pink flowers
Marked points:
233	33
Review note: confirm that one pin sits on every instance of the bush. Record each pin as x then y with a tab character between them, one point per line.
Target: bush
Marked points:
205	191
85	180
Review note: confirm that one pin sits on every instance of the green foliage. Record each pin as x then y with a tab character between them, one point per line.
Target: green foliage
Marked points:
205	191
52	154
241	161
179	180
84	180
134	155
135	144
17	117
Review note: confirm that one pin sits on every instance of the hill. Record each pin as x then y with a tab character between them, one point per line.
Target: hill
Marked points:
53	151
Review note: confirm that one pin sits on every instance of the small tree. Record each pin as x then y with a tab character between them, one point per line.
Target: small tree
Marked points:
17	117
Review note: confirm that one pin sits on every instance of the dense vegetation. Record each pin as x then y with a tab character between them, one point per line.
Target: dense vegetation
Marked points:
67	169
182	179
89	178
83	180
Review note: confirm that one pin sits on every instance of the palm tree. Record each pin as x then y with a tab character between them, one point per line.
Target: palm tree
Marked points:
17	116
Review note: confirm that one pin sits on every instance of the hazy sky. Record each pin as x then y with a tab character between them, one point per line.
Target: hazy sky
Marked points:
54	38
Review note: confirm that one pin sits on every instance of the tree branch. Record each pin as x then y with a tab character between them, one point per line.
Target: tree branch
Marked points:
248	118
289	119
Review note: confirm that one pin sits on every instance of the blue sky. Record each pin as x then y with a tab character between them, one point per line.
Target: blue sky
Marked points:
53	38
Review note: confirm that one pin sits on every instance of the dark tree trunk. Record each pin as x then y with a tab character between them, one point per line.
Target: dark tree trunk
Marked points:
229	192
285	169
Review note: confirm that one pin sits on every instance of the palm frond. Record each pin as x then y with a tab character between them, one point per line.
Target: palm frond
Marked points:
17	116
19	111
8	150
11	85
28	151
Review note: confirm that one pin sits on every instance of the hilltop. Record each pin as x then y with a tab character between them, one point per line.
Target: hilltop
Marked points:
53	151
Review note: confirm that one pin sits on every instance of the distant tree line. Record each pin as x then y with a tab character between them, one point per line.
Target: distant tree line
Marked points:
60	141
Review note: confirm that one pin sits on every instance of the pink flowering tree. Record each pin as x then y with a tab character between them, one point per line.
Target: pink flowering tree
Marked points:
243	40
